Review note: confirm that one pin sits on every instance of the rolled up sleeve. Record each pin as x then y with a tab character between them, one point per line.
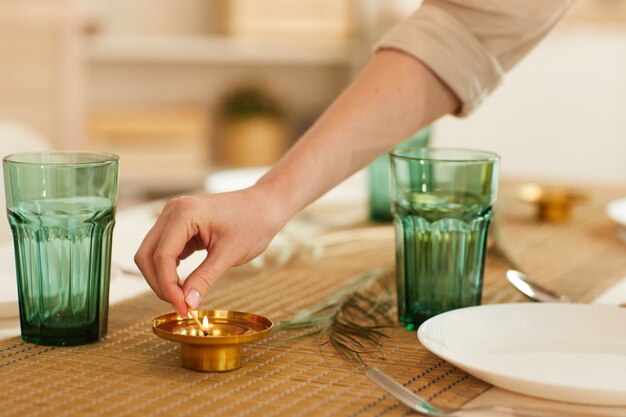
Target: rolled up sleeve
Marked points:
470	44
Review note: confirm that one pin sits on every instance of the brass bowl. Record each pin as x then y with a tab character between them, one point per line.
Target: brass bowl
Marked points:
222	349
553	202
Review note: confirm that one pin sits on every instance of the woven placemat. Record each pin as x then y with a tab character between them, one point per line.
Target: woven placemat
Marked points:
580	257
132	372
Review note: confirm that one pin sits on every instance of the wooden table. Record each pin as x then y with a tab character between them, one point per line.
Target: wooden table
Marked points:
132	372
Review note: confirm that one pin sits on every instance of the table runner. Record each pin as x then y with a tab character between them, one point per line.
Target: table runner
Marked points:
132	372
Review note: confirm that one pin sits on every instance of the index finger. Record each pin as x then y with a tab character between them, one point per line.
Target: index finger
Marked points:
145	253
174	238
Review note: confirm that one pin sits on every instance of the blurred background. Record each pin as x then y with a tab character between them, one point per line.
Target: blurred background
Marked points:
182	88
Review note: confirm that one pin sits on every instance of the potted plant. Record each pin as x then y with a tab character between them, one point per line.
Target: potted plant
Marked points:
253	127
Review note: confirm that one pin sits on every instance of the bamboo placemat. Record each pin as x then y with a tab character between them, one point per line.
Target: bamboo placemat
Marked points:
132	372
580	257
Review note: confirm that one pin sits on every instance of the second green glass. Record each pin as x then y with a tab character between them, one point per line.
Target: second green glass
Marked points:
61	208
442	202
379	178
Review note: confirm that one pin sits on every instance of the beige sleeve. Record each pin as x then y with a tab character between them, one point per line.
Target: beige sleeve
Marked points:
469	44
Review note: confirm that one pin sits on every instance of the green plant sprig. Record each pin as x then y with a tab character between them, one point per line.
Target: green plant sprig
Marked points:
355	320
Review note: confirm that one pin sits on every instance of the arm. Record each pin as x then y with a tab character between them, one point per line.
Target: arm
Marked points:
396	94
393	96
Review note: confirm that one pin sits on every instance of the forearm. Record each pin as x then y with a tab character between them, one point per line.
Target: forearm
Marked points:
394	96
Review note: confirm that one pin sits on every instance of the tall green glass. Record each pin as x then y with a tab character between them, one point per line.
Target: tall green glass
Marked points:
379	178
442	202
61	208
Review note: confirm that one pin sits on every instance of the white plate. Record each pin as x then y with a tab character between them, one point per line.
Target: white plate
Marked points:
565	352
616	210
353	190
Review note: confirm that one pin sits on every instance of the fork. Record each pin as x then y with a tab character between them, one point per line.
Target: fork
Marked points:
424	408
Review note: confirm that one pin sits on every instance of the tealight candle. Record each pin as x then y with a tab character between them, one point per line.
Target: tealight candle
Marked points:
208	329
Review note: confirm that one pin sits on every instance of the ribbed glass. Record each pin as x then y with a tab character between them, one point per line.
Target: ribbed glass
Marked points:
442	205
61	208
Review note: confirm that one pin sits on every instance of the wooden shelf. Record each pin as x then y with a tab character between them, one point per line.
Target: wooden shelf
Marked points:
219	50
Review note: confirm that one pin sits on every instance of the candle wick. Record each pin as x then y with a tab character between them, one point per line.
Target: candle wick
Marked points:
194	315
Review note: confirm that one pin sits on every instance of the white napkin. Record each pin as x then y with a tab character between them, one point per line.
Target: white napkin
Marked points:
8	295
613	295
8	283
131	226
126	286
616	211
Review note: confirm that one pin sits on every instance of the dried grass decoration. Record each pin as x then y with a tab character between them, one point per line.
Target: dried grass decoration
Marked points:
356	320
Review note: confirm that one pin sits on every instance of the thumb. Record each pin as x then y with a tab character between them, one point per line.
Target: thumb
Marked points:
200	281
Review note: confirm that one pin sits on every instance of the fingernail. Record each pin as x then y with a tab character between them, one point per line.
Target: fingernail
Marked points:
193	298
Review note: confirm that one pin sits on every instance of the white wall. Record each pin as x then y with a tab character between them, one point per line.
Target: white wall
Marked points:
40	68
561	114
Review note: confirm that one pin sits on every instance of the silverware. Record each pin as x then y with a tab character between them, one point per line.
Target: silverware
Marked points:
532	290
424	408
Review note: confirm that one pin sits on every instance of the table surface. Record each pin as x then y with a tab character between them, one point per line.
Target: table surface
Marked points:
132	372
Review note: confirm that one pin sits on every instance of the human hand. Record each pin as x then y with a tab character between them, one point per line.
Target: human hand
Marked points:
233	228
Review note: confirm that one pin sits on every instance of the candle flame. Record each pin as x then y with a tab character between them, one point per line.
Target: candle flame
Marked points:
205	325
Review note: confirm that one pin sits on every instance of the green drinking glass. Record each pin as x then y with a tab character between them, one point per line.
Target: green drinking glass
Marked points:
442	205
61	208
378	176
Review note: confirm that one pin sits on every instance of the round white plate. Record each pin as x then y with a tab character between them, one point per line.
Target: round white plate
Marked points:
616	210
565	352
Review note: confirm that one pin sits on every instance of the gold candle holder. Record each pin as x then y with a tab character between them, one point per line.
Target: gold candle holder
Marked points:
553	203
222	348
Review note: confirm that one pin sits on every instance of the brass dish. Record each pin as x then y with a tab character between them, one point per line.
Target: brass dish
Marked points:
553	203
221	350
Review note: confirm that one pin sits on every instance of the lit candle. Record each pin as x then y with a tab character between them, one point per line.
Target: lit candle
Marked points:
206	326
210	330
194	315
203	327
